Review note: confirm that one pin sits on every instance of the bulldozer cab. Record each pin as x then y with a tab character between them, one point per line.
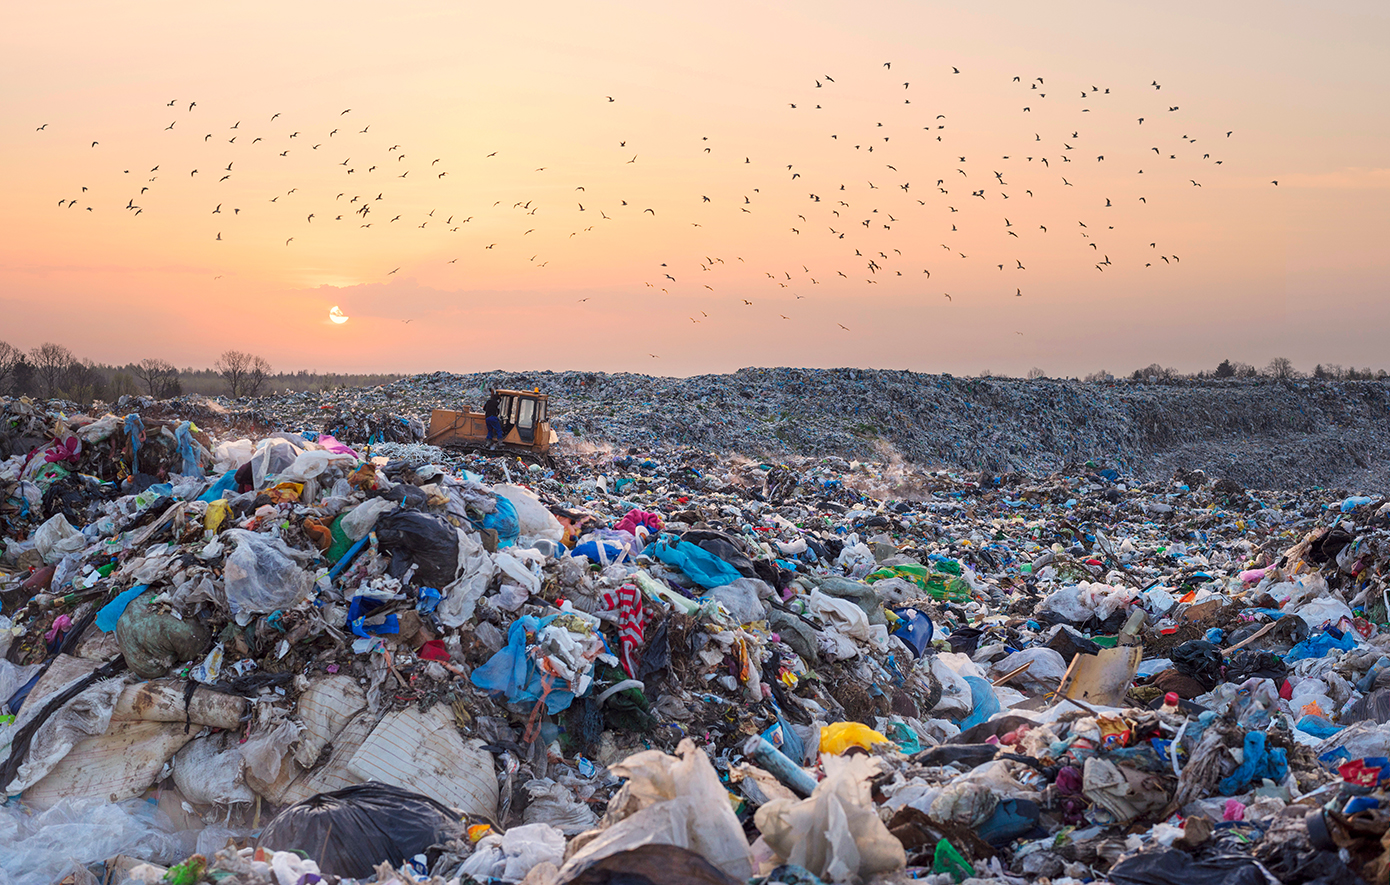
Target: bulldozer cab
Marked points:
523	411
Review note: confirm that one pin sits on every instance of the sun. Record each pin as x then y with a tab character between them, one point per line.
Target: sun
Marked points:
336	315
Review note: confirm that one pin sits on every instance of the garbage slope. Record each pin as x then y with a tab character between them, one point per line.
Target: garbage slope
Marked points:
1262	434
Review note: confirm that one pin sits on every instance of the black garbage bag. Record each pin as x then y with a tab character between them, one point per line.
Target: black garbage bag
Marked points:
421	539
1176	867
1199	660
349	832
1248	662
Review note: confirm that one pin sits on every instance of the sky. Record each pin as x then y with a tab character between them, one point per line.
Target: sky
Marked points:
623	186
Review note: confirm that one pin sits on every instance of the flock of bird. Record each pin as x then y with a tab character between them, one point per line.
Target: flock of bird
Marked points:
861	224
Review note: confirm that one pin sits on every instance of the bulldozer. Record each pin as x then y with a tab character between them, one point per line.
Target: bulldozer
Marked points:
525	431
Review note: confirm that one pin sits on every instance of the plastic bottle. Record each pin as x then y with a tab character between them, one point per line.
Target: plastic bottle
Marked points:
1365	682
1170	704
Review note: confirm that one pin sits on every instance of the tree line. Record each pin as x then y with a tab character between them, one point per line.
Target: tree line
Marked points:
52	371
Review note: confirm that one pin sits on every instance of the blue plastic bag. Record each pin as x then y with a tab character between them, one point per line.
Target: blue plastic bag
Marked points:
112	611
225	483
983	702
703	567
1317	726
504	522
1259	763
360	609
188	449
1318	646
134	428
512	673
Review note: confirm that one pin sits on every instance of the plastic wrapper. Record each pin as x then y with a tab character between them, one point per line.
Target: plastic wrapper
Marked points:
40	848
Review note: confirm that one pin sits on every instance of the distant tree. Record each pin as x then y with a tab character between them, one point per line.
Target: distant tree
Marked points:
121	384
1281	369
236	368
256	376
159	377
1225	370
83	383
10	359
50	362
1035	373
1156	373
1101	376
1332	372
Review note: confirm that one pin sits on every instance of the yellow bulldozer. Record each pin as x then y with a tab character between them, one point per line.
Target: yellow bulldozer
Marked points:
525	431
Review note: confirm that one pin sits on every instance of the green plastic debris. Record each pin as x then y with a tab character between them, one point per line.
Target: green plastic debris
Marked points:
948	860
934	582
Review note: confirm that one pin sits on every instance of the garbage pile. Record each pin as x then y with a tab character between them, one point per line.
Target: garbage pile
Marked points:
1263	434
304	657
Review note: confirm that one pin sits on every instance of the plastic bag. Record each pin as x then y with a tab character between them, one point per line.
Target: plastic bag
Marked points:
743	599
360	520
230	455
272	455
476	569
672	800
1046	668
152	640
428	542
511	855
56	539
40	847
310	465
207	771
504	522
838	737
263	574
513	673
349	832
533	519
984	703
836	834
555	804
703	567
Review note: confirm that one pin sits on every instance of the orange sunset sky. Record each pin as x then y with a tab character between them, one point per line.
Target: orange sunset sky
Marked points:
474	134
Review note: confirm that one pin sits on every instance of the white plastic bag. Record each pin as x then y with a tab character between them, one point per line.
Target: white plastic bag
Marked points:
273	455
835	834
263	574
533	519
1045	671
56	539
511	856
476	569
359	521
670	801
555	804
230	455
311	464
208	771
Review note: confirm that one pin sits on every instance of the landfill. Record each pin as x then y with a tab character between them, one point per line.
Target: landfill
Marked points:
305	646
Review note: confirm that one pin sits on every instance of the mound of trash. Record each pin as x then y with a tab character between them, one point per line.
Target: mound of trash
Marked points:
1261	434
332	652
